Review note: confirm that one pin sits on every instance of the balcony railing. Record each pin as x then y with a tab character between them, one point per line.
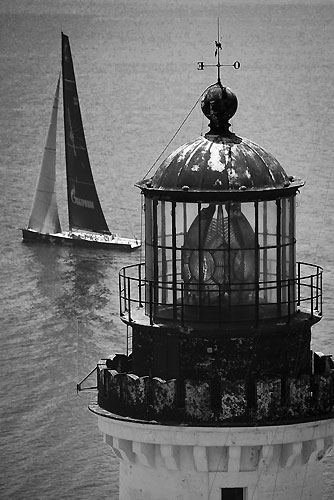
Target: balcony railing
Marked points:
235	302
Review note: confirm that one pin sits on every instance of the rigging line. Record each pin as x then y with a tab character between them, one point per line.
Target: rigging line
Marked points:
202	125
177	131
129	221
119	199
142	210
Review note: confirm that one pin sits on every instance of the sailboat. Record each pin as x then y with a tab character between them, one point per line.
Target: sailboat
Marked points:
87	224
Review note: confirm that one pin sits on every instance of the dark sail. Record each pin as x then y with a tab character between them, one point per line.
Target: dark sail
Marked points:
84	207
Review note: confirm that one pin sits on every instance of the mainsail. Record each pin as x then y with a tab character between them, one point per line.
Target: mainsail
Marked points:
44	212
84	207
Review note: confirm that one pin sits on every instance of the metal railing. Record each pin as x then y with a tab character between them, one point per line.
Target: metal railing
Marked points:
219	303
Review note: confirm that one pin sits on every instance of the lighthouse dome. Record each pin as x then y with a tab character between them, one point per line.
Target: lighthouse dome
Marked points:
220	161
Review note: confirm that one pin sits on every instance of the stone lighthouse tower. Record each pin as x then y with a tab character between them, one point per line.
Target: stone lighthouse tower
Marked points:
219	396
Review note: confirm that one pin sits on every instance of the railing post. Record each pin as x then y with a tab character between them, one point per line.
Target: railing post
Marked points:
139	286
289	299
120	293
321	293
175	290
317	290
182	304
298	288
151	301
125	292
129	299
127	340
312	298
220	303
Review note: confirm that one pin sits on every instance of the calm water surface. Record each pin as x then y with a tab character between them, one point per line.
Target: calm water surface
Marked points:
135	63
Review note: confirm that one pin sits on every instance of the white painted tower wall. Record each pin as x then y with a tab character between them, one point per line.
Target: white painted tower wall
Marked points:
160	462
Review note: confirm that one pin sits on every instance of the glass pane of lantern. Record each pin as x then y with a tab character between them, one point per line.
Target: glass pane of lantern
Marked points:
181	221
149	237
268	275
241	256
288	265
164	220
148	221
165	274
285	241
267	220
267	223
248	210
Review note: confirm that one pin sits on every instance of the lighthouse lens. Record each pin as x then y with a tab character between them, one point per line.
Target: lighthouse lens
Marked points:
202	267
218	254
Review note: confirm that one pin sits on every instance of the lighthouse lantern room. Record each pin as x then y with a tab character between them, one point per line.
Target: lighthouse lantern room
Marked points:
219	396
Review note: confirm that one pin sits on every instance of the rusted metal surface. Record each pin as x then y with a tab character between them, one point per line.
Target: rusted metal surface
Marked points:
220	163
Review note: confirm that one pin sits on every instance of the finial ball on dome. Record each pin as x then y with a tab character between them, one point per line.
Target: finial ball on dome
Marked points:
219	104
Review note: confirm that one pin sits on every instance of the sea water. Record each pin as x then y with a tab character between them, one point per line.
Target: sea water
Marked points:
135	64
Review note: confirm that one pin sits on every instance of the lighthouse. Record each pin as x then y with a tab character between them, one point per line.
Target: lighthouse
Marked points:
219	395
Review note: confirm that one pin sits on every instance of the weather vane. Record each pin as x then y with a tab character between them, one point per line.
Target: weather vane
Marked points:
201	65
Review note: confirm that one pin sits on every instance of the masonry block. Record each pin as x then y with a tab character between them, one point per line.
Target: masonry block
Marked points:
299	396
268	398
323	394
233	399
163	395
134	394
197	400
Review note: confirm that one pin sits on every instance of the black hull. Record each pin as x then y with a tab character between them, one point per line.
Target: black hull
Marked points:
30	236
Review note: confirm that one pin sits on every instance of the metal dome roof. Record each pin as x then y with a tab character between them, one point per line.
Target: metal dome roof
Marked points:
220	162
